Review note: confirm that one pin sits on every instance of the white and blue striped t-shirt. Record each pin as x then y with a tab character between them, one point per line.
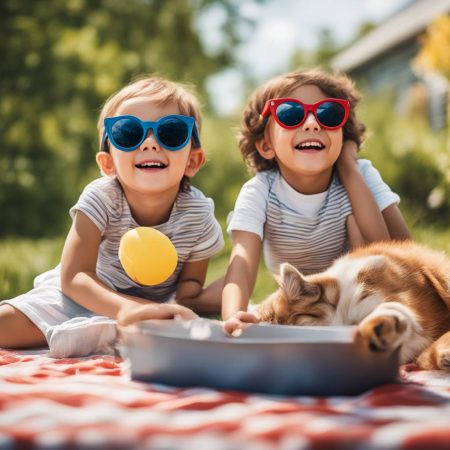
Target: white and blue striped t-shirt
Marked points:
308	231
192	228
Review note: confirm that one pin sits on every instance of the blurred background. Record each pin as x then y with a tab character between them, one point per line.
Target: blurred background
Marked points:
60	60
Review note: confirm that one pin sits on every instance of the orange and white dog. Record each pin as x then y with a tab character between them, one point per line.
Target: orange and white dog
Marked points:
397	293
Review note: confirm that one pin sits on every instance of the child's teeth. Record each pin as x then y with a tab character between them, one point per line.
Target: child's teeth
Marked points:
311	144
152	164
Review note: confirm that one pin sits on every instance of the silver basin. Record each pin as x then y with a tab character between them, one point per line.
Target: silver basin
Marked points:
273	359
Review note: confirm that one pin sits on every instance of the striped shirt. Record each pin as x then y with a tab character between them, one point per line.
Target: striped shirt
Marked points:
191	227
308	231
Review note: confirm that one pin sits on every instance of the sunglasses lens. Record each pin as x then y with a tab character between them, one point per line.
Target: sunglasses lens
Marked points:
290	113
330	114
173	132
127	133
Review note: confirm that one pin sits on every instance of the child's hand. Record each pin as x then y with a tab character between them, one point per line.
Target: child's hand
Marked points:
347	157
151	311
238	322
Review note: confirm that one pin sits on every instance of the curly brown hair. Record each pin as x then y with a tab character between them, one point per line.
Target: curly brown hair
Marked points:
253	125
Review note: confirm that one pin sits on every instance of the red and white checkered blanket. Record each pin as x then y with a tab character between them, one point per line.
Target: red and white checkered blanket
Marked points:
91	403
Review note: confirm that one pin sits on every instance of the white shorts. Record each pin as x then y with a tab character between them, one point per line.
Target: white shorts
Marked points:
70	329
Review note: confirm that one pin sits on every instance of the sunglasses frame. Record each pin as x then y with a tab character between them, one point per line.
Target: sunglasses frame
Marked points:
188	120
271	108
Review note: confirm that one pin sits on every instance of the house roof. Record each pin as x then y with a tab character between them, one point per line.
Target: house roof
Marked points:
402	26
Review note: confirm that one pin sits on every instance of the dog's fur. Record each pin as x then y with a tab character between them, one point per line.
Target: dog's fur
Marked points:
397	293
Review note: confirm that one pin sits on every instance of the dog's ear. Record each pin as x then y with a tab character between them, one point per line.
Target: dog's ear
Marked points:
295	285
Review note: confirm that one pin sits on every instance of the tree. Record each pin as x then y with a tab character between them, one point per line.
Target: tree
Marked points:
322	54
433	57
435	50
59	63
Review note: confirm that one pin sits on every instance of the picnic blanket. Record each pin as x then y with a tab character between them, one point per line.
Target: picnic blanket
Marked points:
91	403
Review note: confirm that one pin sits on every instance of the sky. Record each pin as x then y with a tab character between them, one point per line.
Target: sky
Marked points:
282	26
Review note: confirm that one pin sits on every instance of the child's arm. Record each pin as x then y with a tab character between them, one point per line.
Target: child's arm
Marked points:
80	282
370	224
240	279
190	292
396	223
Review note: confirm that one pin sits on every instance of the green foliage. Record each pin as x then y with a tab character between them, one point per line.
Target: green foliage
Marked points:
321	56
60	61
22	259
412	159
225	172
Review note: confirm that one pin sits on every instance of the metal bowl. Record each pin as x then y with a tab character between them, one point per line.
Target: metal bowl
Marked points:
273	359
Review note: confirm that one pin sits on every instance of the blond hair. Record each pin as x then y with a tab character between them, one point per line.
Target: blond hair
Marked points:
253	125
160	91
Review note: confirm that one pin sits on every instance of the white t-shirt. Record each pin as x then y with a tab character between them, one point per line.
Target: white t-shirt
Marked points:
308	231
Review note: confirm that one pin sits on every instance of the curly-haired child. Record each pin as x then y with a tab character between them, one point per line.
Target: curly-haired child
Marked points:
311	199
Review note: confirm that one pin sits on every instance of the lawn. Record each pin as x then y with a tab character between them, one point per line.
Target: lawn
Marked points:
22	259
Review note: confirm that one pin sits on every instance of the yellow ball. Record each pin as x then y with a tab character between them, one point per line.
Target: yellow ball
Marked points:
147	255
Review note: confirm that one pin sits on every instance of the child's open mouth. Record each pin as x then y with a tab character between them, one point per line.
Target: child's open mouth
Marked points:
151	165
310	146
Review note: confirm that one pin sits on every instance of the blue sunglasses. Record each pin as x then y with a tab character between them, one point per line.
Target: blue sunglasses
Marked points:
172	132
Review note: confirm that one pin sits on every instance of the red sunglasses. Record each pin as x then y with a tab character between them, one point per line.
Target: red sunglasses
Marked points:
330	113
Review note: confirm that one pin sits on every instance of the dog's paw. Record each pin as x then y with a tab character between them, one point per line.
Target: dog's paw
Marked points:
437	355
443	359
382	333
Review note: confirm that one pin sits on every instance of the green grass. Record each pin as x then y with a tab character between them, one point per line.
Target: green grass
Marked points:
22	259
435	237
265	283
